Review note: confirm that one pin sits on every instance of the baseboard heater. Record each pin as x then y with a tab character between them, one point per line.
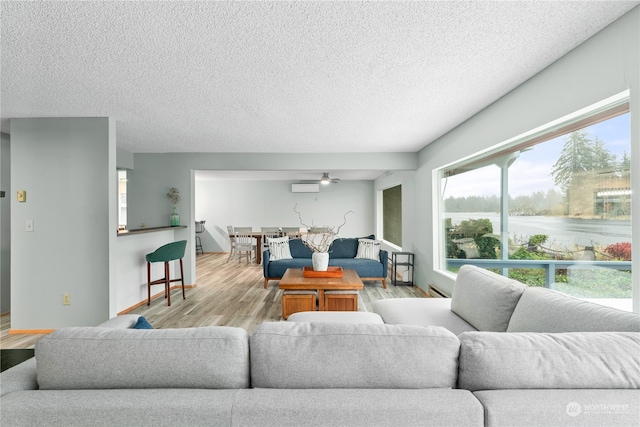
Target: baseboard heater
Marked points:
305	188
437	293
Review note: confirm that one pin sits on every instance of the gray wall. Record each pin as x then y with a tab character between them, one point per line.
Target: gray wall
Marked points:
5	224
603	66
270	204
68	168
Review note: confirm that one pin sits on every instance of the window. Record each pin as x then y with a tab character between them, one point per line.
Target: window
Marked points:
392	215
122	199
551	210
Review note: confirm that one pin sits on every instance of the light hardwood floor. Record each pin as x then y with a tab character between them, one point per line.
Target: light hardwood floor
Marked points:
229	294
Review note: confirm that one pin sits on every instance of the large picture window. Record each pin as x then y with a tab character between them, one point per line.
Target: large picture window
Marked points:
553	210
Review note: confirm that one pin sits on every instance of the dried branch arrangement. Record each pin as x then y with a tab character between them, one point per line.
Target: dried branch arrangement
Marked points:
174	195
319	241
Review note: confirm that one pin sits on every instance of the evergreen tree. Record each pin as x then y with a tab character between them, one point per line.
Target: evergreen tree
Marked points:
625	163
581	154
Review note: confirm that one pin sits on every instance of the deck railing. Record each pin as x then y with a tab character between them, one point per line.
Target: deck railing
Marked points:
550	266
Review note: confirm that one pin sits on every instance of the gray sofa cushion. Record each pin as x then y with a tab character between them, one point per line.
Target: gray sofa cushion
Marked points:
492	361
595	407
22	376
348	355
485	299
357	407
421	311
544	310
119	408
94	358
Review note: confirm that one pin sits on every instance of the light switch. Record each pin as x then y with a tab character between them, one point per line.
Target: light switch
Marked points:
30	225
21	196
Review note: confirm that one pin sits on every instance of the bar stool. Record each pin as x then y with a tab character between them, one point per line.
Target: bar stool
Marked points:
199	229
166	253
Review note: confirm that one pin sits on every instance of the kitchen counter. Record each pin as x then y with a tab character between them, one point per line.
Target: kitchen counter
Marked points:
148	230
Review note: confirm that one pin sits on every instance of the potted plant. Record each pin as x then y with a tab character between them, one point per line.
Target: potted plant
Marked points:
174	196
319	240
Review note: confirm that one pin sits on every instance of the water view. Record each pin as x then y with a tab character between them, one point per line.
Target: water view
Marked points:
563	232
558	244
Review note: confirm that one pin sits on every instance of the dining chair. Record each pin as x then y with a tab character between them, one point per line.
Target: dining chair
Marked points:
245	243
292	232
232	242
268	233
169	252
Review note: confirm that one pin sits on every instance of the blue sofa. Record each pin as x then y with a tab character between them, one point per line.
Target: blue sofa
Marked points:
341	253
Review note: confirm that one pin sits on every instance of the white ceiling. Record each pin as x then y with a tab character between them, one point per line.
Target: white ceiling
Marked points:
280	77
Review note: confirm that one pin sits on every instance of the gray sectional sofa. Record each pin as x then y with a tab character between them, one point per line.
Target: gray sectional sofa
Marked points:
323	374
460	370
341	253
486	301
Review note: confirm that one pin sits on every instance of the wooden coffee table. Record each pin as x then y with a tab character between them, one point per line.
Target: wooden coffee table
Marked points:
294	280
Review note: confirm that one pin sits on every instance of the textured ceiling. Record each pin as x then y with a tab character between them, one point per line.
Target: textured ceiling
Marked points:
280	77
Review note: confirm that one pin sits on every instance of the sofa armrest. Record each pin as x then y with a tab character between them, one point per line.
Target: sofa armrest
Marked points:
265	262
23	376
384	259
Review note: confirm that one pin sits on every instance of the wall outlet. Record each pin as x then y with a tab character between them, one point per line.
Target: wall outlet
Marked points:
66	299
21	196
29	226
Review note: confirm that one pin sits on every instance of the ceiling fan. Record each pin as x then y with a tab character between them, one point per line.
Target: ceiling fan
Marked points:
325	180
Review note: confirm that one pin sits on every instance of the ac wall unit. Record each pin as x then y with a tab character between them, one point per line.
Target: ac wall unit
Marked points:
305	188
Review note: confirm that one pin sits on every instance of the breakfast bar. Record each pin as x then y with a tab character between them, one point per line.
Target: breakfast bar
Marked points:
130	264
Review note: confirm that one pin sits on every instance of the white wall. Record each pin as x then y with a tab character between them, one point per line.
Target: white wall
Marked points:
68	168
605	65
270	204
5	224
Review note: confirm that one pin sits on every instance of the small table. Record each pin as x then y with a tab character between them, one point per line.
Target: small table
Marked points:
294	279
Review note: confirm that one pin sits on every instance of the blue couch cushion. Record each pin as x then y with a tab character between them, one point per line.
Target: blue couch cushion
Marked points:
298	249
345	247
277	268
364	267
